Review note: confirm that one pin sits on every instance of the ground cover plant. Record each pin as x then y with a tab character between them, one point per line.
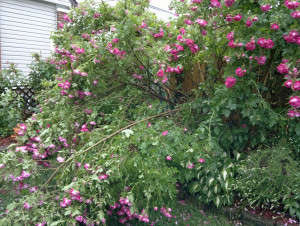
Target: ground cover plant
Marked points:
115	135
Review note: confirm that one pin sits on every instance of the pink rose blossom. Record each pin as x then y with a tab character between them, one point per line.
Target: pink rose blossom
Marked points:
60	159
296	14
288	83
274	26
230	81
191	166
265	8
165	133
261	60
103	176
215	3
169	158
201	22
266	44
194	8
201	160
237	17
27	206
249	23
283	68
251	45
229	3
240	72
296	86
295	101
293	114
291	4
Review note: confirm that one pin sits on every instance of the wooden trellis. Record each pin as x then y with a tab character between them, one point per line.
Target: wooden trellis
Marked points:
27	94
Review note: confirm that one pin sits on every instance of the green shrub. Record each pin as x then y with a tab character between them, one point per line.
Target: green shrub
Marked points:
10	111
10	77
270	178
40	71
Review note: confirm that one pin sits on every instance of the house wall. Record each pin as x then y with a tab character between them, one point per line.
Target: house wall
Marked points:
25	27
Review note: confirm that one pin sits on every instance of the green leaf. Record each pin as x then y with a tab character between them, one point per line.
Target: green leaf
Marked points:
127	132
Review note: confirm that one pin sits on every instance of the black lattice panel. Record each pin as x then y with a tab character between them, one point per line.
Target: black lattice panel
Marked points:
28	96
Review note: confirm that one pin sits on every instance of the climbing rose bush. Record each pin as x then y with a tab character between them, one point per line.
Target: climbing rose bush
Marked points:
112	140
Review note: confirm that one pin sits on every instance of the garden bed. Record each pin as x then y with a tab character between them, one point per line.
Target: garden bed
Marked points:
6	141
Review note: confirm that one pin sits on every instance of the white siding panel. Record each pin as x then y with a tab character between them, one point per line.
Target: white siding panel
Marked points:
29	37
22	30
31	15
17	55
26	24
30	46
25	28
25	4
9	16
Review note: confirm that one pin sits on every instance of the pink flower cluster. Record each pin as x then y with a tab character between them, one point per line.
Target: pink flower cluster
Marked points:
229	3
283	68
201	22
265	8
65	202
23	128
160	34
291	4
274	26
236	18
292	37
266	44
116	51
230	81
296	14
240	72
166	212
66	18
250	46
122	209
137	76
295	101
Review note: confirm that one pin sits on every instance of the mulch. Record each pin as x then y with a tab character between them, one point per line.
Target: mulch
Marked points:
5	141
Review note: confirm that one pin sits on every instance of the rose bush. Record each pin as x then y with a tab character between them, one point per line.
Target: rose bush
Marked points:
116	132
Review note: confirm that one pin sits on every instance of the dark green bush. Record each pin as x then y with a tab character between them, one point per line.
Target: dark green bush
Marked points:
270	178
10	112
40	71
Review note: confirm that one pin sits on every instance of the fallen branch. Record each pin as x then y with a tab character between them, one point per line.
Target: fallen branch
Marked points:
108	137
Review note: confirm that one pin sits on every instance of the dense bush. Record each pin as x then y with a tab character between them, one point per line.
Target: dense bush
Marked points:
10	112
10	77
40	71
116	131
269	178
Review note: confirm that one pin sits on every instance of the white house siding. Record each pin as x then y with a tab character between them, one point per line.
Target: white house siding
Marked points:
25	28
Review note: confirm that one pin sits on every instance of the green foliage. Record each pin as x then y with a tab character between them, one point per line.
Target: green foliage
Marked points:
214	180
108	127
41	71
10	112
270	178
10	77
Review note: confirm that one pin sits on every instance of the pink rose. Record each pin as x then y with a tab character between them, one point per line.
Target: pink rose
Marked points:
295	101
165	133
230	81
274	26
265	8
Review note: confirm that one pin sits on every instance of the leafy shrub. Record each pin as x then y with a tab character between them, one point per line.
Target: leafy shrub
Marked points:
10	77
116	132
41	70
270	178
10	112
